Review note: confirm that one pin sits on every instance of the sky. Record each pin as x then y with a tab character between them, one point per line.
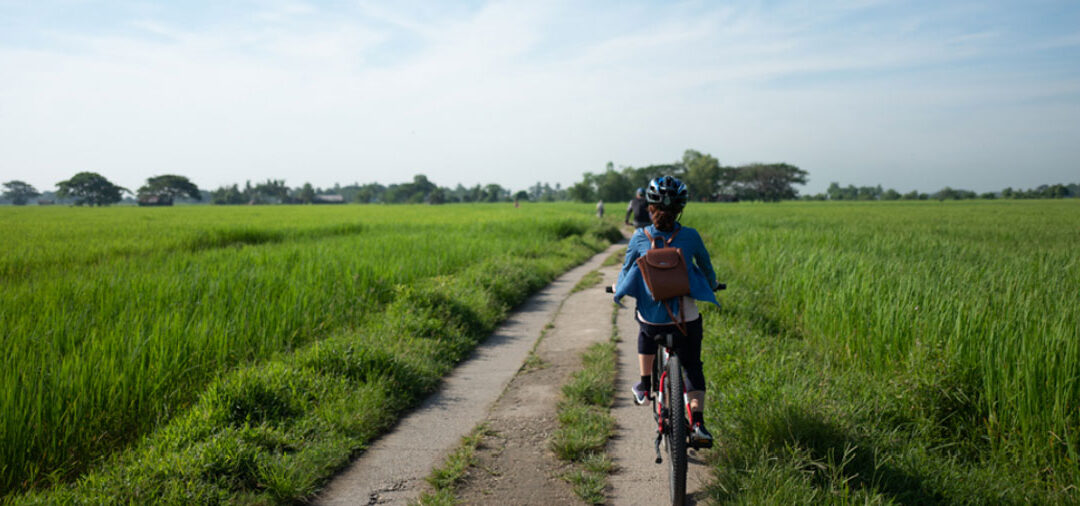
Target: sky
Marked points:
918	95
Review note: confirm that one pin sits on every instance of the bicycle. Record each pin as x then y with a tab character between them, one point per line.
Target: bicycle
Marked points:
673	425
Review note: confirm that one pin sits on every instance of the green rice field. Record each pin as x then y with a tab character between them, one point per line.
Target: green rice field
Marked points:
866	352
906	353
227	330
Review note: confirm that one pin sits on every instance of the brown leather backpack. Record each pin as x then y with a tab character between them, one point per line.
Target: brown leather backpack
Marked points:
665	273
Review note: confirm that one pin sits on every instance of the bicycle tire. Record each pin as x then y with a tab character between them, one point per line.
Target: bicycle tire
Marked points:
677	436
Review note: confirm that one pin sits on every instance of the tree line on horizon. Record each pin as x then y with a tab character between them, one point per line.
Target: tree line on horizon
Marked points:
851	192
705	177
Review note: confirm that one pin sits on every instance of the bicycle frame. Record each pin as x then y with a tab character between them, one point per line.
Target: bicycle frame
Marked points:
661	405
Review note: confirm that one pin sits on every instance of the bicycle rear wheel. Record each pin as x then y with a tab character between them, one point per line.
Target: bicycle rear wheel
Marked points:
677	437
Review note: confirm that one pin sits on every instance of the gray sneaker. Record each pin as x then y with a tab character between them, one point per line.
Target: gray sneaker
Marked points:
641	393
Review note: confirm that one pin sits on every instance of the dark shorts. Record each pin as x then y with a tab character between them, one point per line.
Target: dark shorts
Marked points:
688	347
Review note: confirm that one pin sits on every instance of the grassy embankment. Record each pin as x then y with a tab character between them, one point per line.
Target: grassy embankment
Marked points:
243	354
908	353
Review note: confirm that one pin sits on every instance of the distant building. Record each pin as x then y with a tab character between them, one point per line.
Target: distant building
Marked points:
328	199
155	200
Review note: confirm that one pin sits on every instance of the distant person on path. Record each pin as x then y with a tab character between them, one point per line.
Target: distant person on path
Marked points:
600	209
639	209
667	196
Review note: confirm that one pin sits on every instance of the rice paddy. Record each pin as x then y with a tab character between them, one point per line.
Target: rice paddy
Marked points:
886	353
115	321
949	329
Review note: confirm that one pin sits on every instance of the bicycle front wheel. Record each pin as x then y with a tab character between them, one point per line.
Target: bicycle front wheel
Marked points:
677	437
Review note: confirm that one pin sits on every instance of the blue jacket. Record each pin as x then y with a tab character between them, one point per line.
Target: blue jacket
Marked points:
699	266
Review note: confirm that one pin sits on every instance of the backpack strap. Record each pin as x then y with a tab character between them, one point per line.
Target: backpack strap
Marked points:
652	242
679	324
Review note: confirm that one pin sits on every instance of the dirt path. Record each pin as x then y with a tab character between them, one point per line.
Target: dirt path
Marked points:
515	466
393	469
637	479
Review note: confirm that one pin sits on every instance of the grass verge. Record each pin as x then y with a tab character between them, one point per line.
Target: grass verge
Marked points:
587	281
445	480
586	424
615	258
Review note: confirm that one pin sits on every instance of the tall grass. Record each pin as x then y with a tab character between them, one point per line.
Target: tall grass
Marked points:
970	307
114	320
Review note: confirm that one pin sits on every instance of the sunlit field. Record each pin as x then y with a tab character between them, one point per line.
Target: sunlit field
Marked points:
116	321
934	346
883	353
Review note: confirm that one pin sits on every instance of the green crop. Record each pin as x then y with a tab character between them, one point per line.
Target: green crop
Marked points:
114	321
964	314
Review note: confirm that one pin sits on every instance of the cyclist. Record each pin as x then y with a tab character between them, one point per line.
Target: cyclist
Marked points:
666	197
639	209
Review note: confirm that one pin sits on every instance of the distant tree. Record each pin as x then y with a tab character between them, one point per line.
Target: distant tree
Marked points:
164	189
521	195
306	194
90	188
1057	191
437	196
988	196
836	192
948	193
19	193
370	193
613	186
701	174
890	194
272	191
582	191
228	195
770	182
869	193
495	193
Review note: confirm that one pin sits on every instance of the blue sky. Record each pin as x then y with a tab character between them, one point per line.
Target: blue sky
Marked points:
910	95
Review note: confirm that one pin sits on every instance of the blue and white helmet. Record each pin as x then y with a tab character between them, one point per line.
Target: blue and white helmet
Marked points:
667	193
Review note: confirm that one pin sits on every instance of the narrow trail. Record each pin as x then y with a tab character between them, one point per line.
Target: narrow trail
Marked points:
515	464
518	405
393	468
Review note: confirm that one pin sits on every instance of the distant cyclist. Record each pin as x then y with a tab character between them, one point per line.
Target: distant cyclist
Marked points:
666	197
639	209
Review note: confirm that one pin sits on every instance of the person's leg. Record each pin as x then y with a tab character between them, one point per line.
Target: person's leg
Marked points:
690	353
646	355
645	363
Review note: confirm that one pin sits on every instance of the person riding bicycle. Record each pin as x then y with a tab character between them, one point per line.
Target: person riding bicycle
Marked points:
639	209
667	196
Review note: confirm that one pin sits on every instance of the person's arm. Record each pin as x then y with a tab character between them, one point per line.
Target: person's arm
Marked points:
630	260
629	211
701	258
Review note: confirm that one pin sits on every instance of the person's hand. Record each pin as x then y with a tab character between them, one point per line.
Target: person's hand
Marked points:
627	222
